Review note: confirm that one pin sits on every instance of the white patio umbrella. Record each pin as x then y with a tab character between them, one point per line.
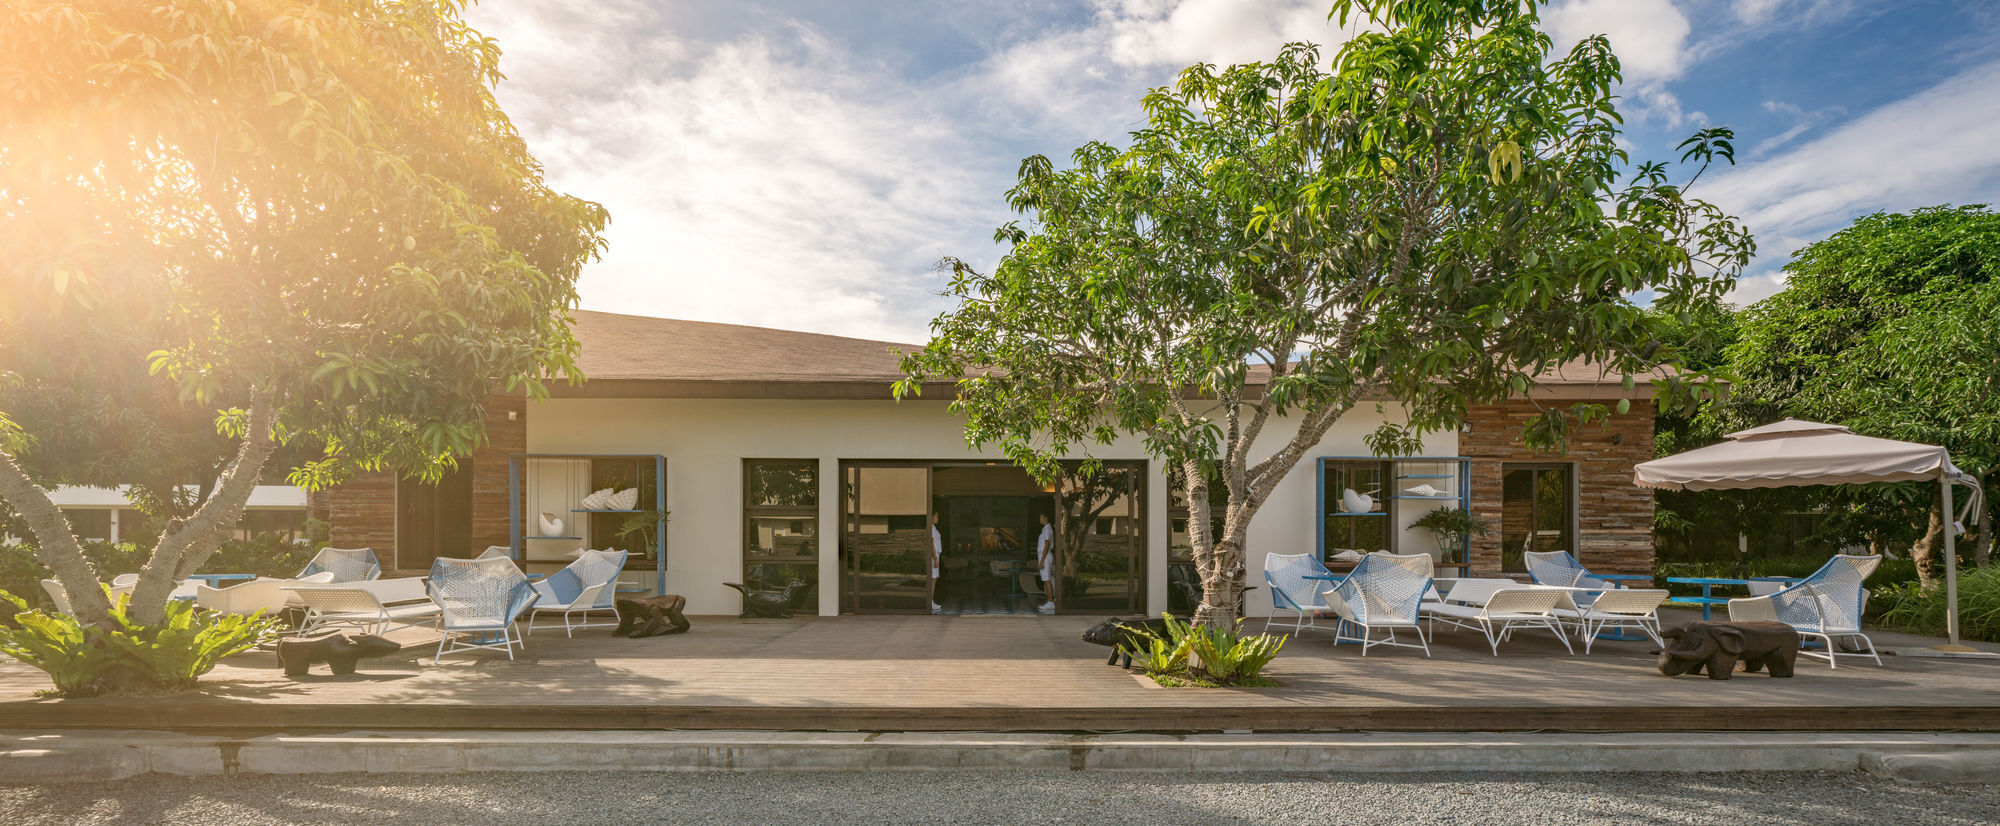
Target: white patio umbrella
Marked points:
1794	452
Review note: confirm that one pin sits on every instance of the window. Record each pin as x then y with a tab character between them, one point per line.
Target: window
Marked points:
781	526
1354	507
288	524
1536	506
90	523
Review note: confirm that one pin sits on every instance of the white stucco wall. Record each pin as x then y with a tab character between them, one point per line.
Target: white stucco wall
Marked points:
705	442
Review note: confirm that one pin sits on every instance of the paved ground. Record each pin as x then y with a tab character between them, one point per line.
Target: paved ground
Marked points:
1014	798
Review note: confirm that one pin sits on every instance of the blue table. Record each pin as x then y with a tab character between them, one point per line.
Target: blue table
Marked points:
1708	600
215	580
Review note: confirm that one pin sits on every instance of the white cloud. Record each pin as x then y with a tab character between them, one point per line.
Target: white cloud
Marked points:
1650	37
1751	289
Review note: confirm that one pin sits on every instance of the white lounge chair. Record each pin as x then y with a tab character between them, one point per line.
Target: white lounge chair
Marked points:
1825	605
366	606
1637	608
1292	591
479	602
588	584
261	594
1504	610
347	564
1383	592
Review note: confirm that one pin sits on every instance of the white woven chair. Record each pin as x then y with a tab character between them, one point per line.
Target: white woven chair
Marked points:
1504	611
588	584
1637	608
1825	605
125	580
347	564
496	552
1383	592
1291	591
1562	569
58	595
479	601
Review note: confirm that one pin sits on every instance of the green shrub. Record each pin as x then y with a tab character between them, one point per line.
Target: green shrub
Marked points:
1906	607
85	661
1200	655
268	554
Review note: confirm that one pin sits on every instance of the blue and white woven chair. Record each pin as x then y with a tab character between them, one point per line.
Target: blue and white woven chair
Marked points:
1384	592
1560	569
478	600
346	564
588	584
1825	605
1291	591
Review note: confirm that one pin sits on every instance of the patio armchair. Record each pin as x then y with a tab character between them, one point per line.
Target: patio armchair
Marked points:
1825	605
496	552
125	581
1636	608
1383	592
58	595
479	600
365	606
347	564
1503	611
588	584
1292	591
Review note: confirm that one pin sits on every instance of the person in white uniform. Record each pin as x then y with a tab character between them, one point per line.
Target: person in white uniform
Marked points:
1045	560
937	558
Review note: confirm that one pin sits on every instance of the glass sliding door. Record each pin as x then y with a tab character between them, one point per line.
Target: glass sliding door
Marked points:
886	537
781	527
1537	506
1101	537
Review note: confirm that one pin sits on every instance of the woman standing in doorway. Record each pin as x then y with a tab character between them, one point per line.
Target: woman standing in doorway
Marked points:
1045	559
937	558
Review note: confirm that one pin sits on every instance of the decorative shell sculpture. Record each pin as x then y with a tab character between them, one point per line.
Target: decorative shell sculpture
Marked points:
551	525
623	500
1354	502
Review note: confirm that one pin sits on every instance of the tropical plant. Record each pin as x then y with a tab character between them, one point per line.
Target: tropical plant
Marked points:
1451	526
1203	655
1158	654
86	660
1911	608
311	223
1887	327
1439	220
645	525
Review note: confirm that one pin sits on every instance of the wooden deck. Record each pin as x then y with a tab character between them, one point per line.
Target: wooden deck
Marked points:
1025	673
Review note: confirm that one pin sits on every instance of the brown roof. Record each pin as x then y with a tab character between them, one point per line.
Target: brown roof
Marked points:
644	357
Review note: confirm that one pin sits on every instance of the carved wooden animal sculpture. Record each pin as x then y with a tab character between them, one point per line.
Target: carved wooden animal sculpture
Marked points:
1717	646
339	651
650	616
1123	635
767	603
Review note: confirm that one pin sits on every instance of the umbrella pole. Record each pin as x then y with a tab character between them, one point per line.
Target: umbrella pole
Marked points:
1950	565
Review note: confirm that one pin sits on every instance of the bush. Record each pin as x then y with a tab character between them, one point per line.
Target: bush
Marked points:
85	661
1906	607
271	555
1204	656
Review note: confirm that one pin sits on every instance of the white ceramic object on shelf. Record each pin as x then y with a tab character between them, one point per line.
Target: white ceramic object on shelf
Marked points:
1427	492
623	500
595	501
1354	502
551	525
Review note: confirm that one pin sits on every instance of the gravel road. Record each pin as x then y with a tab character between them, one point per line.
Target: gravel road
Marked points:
775	799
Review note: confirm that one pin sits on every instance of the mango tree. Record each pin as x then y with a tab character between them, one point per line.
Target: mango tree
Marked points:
1437	219
311	218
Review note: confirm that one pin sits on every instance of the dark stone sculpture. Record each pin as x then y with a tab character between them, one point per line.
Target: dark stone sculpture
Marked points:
339	651
1123	635
1717	646
767	603
650	616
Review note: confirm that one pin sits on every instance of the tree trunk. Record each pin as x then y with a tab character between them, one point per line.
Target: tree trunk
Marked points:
1926	553
184	545
55	543
1982	550
1221	584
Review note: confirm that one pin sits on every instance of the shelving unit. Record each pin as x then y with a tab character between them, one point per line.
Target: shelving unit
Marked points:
556	482
1403	488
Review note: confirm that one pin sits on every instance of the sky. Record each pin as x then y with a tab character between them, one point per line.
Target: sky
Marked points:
804	164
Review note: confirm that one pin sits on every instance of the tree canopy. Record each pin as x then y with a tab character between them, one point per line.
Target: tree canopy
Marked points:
312	218
1887	327
1437	219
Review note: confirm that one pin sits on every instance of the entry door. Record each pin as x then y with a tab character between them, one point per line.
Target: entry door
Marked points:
434	520
886	539
1537	506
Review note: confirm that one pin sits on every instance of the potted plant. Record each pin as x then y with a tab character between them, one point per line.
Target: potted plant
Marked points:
1451	526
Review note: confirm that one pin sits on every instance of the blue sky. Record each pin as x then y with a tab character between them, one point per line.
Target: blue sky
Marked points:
804	163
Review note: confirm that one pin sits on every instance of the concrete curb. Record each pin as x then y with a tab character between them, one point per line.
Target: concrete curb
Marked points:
45	757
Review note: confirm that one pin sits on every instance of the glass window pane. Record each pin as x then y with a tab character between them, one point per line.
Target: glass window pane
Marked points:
781	528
